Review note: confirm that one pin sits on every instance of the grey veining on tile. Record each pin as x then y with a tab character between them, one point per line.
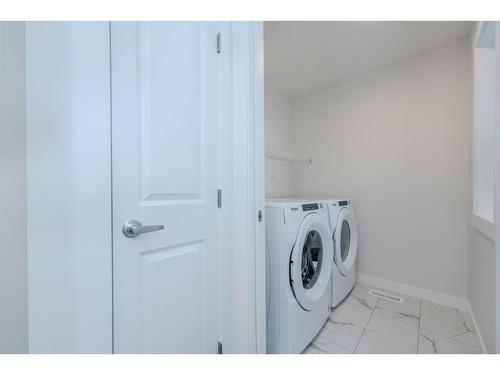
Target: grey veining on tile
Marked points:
407	312
360	294
342	333
326	346
347	321
363	323
433	343
449	322
467	326
426	343
388	335
312	350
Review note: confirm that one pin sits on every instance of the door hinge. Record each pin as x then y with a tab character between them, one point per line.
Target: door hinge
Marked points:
219	348
260	215
219	43
219	198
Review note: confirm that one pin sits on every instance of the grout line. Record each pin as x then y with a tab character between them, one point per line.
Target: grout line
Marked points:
366	325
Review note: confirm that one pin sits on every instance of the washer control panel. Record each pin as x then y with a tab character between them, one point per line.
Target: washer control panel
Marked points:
310	207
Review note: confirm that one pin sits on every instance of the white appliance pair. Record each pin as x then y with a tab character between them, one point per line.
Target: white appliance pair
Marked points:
310	257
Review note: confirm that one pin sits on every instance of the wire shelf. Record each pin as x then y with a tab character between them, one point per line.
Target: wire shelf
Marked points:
286	156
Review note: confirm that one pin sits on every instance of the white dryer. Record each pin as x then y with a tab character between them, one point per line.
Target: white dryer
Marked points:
299	268
345	247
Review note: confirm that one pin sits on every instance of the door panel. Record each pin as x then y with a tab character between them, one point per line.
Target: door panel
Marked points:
171	107
165	171
170	287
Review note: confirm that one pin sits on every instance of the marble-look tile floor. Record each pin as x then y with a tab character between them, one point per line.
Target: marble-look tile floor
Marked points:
363	323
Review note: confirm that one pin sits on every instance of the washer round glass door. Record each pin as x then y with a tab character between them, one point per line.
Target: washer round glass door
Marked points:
346	241
311	262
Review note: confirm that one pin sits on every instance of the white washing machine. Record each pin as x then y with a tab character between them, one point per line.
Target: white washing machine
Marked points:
345	247
299	268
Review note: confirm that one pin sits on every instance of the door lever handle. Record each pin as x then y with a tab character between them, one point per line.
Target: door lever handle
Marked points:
133	228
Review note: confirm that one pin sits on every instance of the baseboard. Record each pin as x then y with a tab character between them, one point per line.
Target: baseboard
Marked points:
483	347
413	291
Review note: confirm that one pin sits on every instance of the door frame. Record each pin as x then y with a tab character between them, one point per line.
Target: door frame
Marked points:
248	146
260	250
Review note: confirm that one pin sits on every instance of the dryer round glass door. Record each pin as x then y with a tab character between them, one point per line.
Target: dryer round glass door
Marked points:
346	241
310	262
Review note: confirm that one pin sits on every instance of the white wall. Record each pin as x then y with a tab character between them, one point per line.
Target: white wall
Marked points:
69	187
397	142
13	266
278	134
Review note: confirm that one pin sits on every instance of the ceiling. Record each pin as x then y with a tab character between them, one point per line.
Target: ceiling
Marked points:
301	57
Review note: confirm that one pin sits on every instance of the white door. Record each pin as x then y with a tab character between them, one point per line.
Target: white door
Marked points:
165	147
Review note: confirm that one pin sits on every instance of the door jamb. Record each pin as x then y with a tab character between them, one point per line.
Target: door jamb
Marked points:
260	253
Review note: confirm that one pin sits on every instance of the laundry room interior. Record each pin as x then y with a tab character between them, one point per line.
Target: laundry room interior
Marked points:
249	187
381	114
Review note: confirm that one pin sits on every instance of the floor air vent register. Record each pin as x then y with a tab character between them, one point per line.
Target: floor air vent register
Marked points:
385	295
